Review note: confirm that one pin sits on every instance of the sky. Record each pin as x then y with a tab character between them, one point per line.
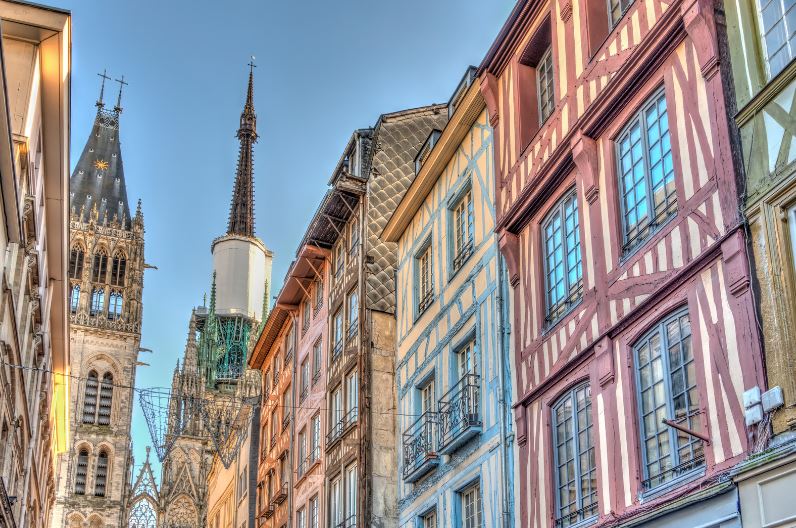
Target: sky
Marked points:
324	69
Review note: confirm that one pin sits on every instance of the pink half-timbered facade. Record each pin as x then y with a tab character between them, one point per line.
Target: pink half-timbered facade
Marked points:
617	211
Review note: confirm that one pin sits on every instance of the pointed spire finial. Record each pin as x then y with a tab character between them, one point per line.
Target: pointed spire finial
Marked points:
122	84
100	103
241	212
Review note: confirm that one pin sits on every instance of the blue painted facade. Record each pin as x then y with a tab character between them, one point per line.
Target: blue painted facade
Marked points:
452	375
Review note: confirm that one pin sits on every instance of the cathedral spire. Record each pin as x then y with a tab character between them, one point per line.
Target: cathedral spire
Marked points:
241	213
104	75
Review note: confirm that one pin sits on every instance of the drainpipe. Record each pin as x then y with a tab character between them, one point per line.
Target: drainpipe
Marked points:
505	399
293	416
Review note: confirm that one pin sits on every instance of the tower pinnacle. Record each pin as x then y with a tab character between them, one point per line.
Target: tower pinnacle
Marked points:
105	77
241	213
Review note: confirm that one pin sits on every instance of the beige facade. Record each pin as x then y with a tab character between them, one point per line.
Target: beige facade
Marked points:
34	170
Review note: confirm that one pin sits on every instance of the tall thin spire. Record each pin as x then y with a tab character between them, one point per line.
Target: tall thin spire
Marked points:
122	84
241	213
100	103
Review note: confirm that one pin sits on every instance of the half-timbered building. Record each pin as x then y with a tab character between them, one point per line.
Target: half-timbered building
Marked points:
617	205
764	83
452	362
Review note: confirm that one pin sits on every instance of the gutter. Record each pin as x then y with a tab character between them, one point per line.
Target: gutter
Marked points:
507	437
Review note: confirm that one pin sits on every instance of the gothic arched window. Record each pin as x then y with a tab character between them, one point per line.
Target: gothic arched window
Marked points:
118	269
102	474
105	399
74	298
82	471
100	268
76	258
90	398
97	300
114	305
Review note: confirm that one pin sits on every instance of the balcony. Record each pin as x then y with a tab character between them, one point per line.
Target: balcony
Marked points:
281	495
460	413
337	430
274	436
419	444
337	350
289	354
276	379
285	420
675	474
425	302
464	253
268	511
304	392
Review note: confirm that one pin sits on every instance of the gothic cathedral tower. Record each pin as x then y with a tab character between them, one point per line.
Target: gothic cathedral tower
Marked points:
216	352
106	279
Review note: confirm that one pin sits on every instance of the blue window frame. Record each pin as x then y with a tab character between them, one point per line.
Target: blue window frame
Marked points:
562	259
667	390
646	172
575	472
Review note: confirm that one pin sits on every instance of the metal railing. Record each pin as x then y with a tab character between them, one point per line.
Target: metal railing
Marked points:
352	329
281	494
337	350
286	420
337	430
460	409
349	522
672	473
420	443
577	516
426	301
464	253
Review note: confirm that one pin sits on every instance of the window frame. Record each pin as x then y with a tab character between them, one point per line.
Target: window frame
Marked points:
461	248
659	327
462	496
571	395
631	244
550	86
758	8
424	290
612	23
554	312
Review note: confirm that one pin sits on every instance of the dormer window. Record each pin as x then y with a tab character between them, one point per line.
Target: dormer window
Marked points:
425	150
461	90
536	83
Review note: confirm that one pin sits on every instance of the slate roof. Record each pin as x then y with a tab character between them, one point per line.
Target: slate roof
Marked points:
396	141
98	178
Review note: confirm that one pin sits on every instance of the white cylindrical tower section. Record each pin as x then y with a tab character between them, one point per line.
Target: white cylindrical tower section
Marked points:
241	265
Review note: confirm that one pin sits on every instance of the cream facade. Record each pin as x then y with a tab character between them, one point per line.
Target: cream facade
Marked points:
34	164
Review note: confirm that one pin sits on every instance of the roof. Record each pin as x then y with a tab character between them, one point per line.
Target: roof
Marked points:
467	110
265	341
98	178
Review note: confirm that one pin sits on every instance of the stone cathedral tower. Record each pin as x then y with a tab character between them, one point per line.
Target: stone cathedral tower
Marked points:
218	343
106	279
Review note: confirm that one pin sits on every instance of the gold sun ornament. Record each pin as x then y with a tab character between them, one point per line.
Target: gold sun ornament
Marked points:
101	164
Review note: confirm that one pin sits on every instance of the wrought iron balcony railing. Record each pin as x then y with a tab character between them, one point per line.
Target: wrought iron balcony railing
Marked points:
337	430
460	413
420	447
286	419
337	350
577	516
349	522
464	253
289	354
425	302
352	329
281	494
672	473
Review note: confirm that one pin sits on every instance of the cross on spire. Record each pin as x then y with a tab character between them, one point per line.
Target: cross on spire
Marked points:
122	84
105	77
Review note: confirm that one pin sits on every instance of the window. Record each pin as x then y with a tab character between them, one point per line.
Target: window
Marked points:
316	361
353	313
314	512
665	373
274	428
335	503
81	472
305	316
301	518
429	520
562	261
291	343
318	295
276	370
338	333
243	483
471	507
427	399
575	475
305	379
118	269
336	414
74	298
100	267
646	172
465	362
544	85
462	229
97	301
352	396
425	285
778	22
302	452
353	237
315	438
102	474
287	407
114	305
351	495
76	258
105	400
617	8
339	259
90	398
267	382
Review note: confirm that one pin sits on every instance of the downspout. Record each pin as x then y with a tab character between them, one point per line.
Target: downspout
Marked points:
364	503
505	397
294	407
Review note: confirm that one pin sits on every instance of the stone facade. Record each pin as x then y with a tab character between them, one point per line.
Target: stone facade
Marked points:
106	279
35	91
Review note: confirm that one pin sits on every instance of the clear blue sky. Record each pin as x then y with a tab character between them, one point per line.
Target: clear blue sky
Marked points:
324	69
